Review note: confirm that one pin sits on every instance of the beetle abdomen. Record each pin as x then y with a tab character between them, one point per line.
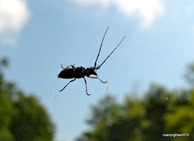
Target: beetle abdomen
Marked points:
67	74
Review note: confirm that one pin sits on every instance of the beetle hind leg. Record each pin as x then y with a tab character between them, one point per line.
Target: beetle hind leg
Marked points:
67	84
72	66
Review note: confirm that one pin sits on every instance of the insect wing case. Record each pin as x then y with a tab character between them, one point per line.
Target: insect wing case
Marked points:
67	73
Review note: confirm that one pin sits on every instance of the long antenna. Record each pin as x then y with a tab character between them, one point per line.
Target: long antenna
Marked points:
98	67
100	47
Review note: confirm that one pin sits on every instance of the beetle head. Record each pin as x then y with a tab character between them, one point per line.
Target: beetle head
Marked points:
90	71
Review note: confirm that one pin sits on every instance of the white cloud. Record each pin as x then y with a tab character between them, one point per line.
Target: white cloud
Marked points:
104	3
146	10
13	15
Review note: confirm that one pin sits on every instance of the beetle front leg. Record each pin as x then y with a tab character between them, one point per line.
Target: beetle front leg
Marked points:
98	79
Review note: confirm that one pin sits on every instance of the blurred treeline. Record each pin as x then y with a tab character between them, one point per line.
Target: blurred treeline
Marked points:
22	118
161	111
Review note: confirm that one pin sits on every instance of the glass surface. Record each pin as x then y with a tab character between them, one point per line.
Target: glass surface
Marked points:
126	70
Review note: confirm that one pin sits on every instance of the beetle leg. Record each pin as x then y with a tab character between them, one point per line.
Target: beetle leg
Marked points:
86	86
62	66
98	79
67	84
73	66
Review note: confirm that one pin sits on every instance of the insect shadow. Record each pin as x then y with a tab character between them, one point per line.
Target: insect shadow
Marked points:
72	72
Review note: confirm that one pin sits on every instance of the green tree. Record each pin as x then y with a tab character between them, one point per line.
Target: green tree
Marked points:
6	106
181	118
189	74
6	113
22	118
160	112
157	101
112	121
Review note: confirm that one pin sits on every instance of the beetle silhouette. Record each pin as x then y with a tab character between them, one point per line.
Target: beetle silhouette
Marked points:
72	72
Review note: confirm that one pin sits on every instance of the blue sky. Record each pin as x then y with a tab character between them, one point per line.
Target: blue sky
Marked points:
38	36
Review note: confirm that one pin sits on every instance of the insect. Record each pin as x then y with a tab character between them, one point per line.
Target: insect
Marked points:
72	72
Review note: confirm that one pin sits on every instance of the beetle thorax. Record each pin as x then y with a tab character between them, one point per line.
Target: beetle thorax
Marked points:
90	71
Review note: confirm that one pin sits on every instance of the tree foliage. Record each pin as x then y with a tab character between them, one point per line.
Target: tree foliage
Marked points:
160	112
189	74
22	118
